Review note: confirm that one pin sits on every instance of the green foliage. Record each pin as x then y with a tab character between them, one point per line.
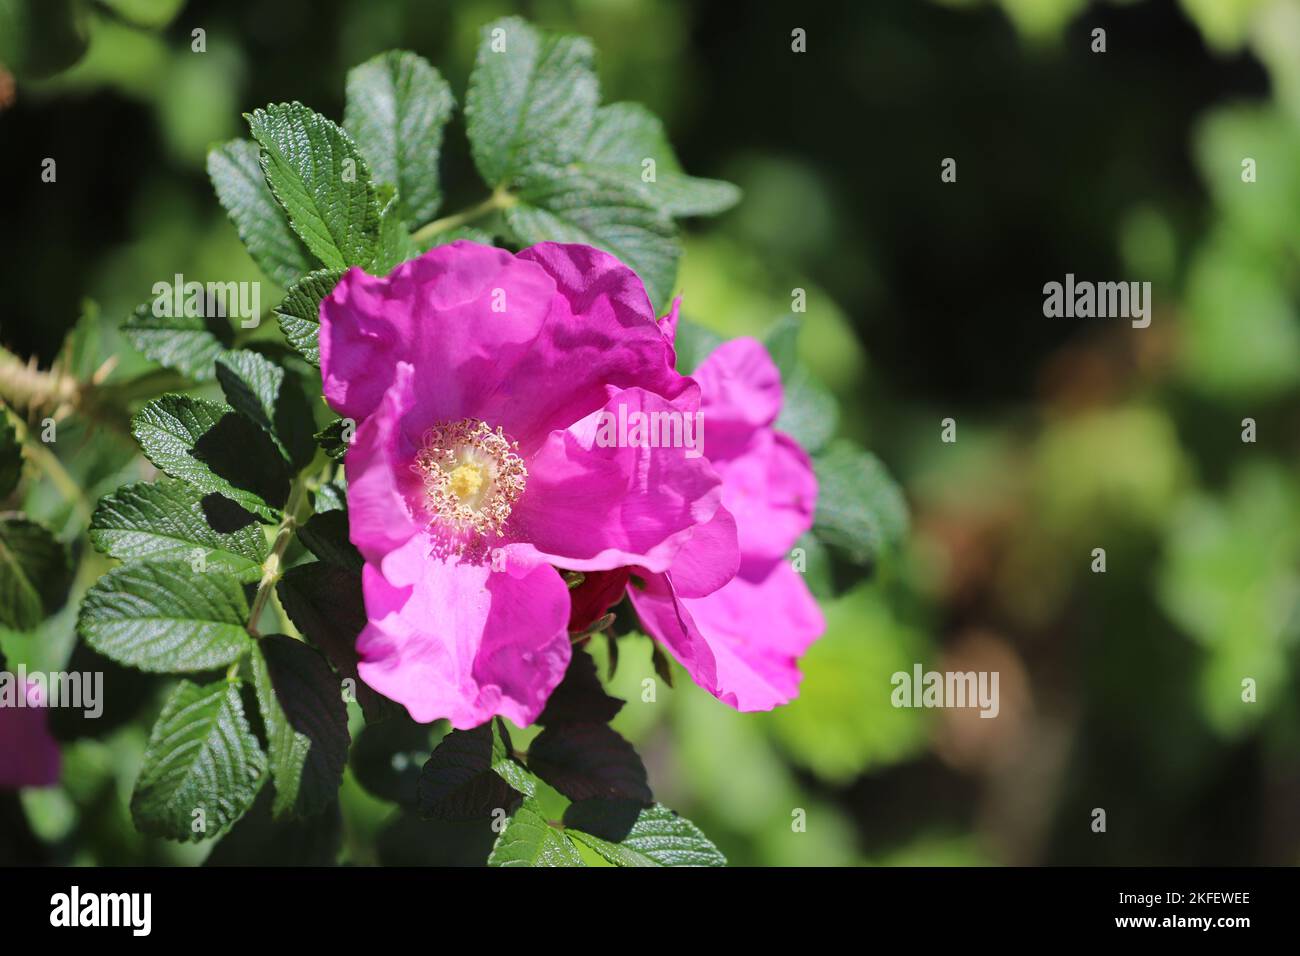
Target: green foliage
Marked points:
657	837
566	205
531	100
34	572
263	393
187	343
530	840
469	775
214	449
306	724
319	176
299	312
309	199
859	507
397	106
165	617
628	144
171	520
203	766
236	173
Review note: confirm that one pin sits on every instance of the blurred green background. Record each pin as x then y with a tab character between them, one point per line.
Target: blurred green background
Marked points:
1120	691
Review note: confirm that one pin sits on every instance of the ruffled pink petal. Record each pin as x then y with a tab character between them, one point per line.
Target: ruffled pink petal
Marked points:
665	616
530	343
462	641
380	483
709	559
668	325
741	643
29	755
772	491
468	311
593	507
741	392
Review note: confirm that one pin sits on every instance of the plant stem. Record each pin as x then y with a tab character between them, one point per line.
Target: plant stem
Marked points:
500	199
49	465
271	566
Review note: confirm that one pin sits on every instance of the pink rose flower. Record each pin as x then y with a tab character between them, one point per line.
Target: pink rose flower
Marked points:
29	756
740	639
478	379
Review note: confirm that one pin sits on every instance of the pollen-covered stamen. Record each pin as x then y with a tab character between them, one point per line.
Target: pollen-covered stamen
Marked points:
472	475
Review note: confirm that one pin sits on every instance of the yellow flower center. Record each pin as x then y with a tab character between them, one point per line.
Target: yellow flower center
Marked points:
472	476
466	480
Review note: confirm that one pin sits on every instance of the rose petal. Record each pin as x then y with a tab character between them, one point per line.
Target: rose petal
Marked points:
462	641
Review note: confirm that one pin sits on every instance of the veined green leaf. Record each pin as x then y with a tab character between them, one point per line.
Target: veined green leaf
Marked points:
215	449
397	107
531	99
299	313
34	572
236	173
460	780
171	520
162	616
658	837
189	344
529	840
860	508
306	724
262	392
202	767
628	146
321	179
570	205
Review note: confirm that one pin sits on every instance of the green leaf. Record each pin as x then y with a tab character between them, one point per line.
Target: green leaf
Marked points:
299	312
528	840
306	724
11	455
201	757
624	136
397	106
657	837
531	99
693	344
215	449
326	606
34	572
586	761
580	697
321	179
809	413
171	520
261	391
860	508
259	839
459	781
569	205
39	38
236	173
335	437
164	617
188	344
332	495
327	536
395	242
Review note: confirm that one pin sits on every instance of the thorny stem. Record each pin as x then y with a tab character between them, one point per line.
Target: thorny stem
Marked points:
500	199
